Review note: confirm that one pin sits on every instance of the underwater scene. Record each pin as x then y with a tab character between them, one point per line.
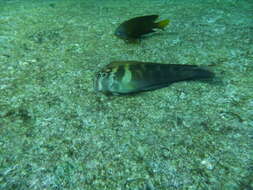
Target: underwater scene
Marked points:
126	95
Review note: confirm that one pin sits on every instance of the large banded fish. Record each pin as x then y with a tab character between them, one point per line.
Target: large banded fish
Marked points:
126	77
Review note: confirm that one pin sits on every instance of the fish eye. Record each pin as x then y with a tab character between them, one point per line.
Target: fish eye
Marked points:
102	74
118	32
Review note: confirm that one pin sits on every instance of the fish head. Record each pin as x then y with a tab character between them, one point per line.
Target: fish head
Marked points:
106	80
101	81
114	79
120	32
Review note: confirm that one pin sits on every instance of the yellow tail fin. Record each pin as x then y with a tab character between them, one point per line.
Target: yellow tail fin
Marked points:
162	24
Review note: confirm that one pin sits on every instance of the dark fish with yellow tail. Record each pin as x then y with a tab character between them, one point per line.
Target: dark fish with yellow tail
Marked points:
127	77
134	28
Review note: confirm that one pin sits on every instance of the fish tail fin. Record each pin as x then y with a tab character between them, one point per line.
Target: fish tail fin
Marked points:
202	73
191	72
162	24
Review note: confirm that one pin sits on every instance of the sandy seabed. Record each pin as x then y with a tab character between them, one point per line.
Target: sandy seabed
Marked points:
57	133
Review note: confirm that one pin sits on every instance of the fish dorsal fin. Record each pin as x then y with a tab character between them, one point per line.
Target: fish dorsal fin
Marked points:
119	63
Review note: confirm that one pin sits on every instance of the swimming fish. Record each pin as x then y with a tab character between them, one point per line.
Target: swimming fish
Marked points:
134	28
127	77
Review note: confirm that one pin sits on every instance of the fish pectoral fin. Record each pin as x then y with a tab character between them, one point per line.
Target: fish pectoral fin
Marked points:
132	41
154	86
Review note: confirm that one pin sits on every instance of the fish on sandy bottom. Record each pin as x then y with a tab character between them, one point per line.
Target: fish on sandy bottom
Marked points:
129	77
133	29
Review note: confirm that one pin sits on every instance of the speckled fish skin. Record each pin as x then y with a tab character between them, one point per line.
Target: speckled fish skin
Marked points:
127	77
134	28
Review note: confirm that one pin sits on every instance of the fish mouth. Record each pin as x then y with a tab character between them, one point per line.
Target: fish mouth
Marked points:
116	33
95	83
120	34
